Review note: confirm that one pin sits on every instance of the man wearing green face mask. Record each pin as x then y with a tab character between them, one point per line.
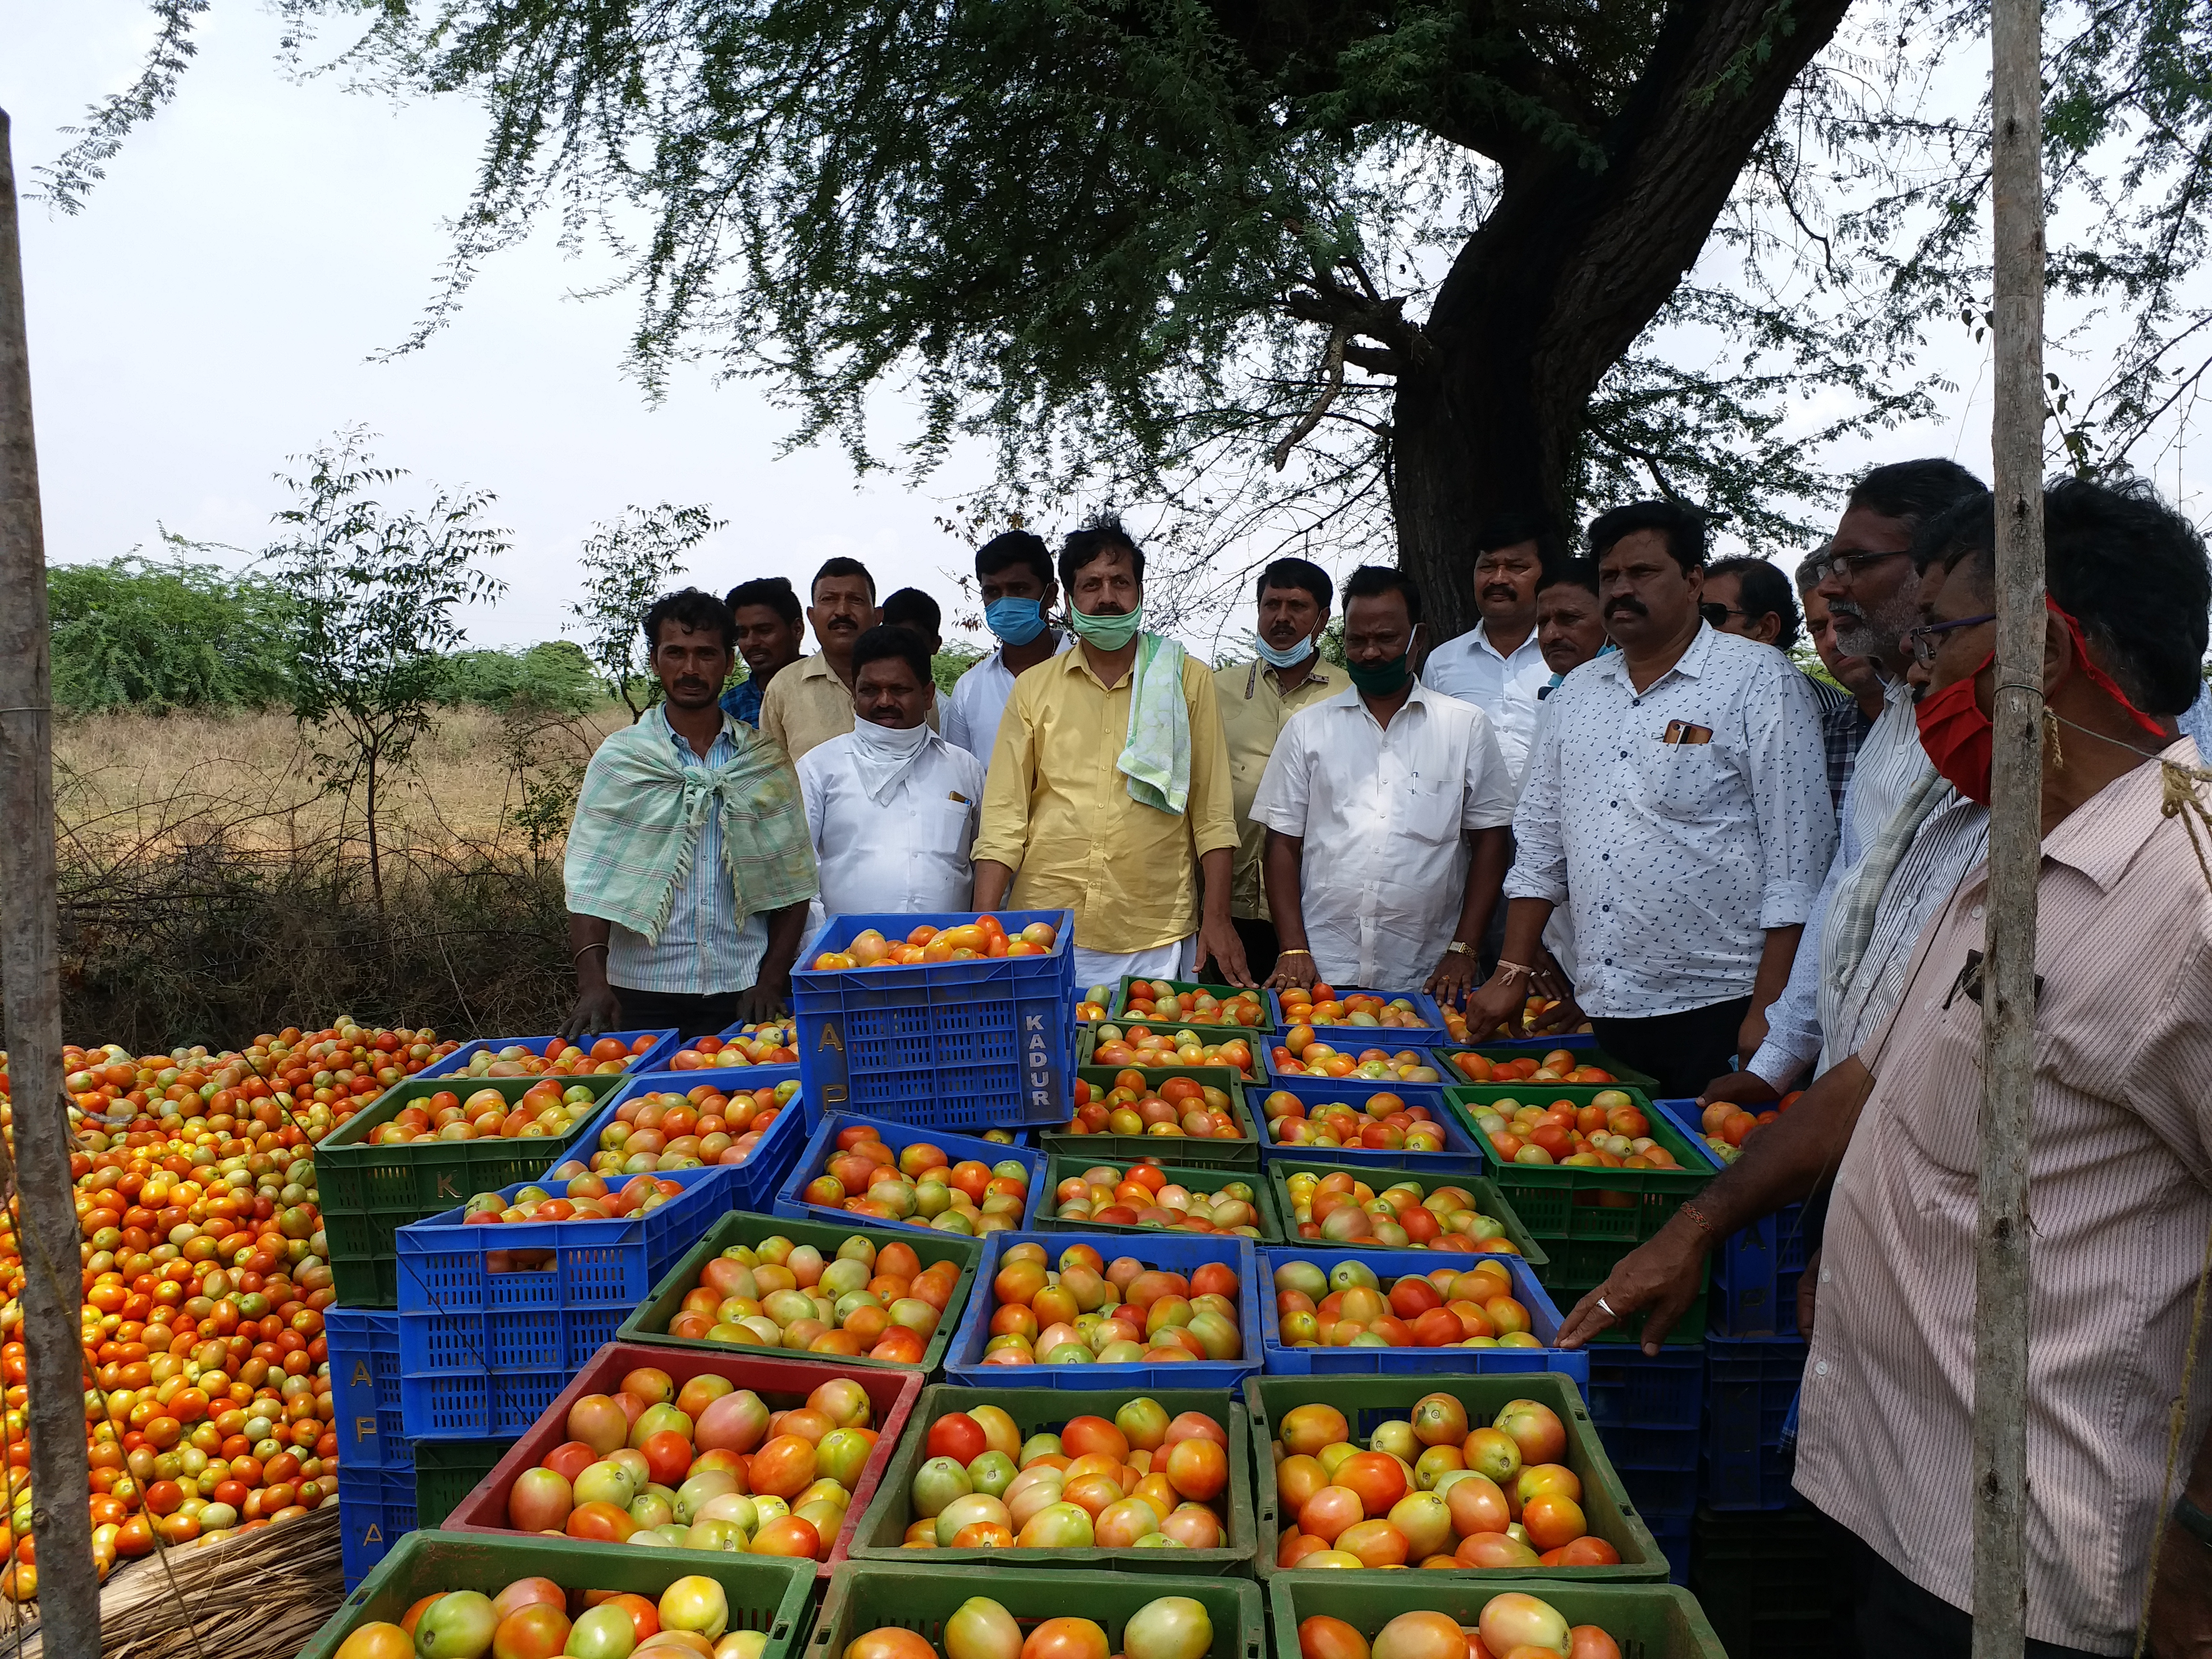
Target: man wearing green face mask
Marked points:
1108	792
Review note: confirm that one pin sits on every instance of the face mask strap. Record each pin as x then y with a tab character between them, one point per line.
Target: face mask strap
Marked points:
2098	677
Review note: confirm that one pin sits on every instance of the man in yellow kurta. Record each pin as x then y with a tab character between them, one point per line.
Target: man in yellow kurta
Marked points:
1108	792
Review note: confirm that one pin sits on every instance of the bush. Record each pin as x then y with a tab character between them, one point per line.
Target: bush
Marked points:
556	676
132	633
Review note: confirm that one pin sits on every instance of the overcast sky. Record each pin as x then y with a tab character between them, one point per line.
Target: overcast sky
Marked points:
217	304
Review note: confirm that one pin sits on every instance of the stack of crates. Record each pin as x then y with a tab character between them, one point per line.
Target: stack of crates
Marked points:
1649	1413
1772	1584
1750	1383
969	1045
368	1193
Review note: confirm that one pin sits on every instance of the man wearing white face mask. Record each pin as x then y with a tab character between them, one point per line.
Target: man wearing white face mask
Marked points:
1258	696
890	806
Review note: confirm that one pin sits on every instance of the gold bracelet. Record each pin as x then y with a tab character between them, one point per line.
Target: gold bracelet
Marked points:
578	957
1294	953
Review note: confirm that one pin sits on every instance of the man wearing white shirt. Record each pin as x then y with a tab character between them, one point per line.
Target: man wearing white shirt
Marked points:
1498	665
1014	574
1385	807
891	807
1680	796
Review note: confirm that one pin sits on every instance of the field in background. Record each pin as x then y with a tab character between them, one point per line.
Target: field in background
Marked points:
211	886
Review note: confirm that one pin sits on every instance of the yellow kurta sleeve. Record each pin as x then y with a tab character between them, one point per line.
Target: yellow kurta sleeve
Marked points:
1004	834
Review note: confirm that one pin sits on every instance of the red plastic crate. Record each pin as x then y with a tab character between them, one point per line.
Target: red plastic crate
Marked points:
781	1382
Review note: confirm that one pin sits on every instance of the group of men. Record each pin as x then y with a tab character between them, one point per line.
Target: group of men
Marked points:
1619	788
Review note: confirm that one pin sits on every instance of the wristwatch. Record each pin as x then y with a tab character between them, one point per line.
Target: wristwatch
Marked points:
2193	1521
1460	947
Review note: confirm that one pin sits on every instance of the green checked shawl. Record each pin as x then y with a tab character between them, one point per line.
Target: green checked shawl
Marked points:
639	817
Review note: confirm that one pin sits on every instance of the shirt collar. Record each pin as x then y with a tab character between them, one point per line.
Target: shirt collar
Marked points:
1482	643
1691	666
1349	698
731	725
2101	837
815	667
1317	675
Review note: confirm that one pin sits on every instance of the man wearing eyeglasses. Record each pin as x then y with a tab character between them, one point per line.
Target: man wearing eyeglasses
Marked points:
2116	1421
1904	839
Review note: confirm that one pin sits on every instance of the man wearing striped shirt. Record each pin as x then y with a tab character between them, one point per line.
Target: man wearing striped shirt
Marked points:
660	935
1852	974
2119	1155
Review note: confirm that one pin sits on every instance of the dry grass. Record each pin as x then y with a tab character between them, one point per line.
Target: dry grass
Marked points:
127	775
211	886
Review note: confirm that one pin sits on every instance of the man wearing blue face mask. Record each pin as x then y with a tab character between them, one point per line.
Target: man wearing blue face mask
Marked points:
1014	572
1258	695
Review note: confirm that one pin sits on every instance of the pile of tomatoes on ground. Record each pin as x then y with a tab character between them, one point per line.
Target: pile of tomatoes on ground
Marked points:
208	1407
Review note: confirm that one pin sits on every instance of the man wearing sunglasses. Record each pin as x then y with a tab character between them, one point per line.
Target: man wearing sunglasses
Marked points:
2122	1134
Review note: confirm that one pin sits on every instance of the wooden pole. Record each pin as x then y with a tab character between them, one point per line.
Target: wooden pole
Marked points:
2001	1284
46	1225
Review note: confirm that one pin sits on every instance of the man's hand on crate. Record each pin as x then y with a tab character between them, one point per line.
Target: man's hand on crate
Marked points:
1659	1278
598	1009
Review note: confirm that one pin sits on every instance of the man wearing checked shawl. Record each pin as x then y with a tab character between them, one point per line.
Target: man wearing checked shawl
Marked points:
689	868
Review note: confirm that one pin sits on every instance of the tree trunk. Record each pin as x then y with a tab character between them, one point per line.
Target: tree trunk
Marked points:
1569	269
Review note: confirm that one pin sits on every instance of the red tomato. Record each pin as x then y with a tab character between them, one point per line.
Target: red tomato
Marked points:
958	1437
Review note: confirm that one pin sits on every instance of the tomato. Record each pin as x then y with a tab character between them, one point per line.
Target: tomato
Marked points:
536	1632
644	1616
792	1536
1534	1428
889	1641
1552	1519
1376	1478
1323	1638
957	1436
1168	1627
1329	1511
1515	1620
539	1501
377	1640
1068	1638
1307	1429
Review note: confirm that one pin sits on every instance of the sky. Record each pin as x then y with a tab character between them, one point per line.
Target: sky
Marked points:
221	302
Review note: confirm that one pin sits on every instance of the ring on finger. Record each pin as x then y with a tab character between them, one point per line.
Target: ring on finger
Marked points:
1607	1307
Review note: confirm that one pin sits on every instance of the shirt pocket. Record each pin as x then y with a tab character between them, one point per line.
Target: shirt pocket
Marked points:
1431	810
942	827
1680	780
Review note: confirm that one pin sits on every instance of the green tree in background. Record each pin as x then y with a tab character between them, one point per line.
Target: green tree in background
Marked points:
374	590
554	678
137	633
628	564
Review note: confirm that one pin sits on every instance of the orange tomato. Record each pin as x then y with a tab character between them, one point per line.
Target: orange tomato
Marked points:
1376	1478
1322	1637
1066	1639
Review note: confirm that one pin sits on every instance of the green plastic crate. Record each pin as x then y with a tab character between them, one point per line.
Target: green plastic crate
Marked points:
648	1322
766	1593
1086	1044
369	1193
1366	1401
1648	1622
1186	1150
1625	1075
1066	1164
1117	1011
881	1534
1559	1202
865	1595
446	1471
1487	1199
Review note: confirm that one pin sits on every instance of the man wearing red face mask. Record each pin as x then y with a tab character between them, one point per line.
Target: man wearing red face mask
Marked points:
2121	1146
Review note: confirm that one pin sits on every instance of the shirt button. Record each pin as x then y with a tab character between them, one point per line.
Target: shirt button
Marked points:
1825	1275
1820	1368
1624	753
1608	909
1976	913
1605	858
1608	962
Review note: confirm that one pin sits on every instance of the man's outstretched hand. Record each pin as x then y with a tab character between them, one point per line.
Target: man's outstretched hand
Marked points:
1658	1279
597	1010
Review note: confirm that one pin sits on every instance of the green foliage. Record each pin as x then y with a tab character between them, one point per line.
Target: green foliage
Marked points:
375	590
555	676
134	633
628	564
948	665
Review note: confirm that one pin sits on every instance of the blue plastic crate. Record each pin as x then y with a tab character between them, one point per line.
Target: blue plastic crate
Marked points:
376	1509
457	1061
1427	1034
364	1360
477	1348
1180	1253
753	1182
1661	1494
502	1405
1750	1384
1631	1390
944	1044
1463	1154
1544	1321
1756	1269
815	1155
1673	1534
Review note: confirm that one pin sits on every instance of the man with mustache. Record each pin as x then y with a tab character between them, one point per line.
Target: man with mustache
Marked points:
1678	799
688	868
1109	789
1499	665
890	806
812	702
1871	907
2123	1137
